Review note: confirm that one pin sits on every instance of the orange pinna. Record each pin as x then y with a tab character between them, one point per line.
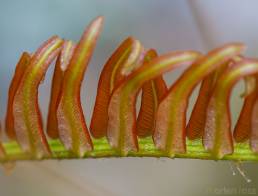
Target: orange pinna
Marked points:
254	126
2	151
170	133
152	93
162	115
243	128
19	71
196	124
72	128
27	117
60	67
126	58
121	131
217	135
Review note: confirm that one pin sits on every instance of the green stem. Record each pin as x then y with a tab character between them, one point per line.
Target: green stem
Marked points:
102	149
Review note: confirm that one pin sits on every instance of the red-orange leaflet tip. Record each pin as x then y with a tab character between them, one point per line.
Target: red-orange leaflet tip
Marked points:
62	62
72	128
121	131
152	93
243	128
2	151
19	71
170	129
217	136
196	124
27	117
125	57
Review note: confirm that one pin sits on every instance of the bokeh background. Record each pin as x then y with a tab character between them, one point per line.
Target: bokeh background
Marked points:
165	25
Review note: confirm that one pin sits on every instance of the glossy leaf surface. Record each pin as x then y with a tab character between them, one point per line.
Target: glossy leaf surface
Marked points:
19	71
60	67
27	116
73	131
218	137
170	132
126	57
121	130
